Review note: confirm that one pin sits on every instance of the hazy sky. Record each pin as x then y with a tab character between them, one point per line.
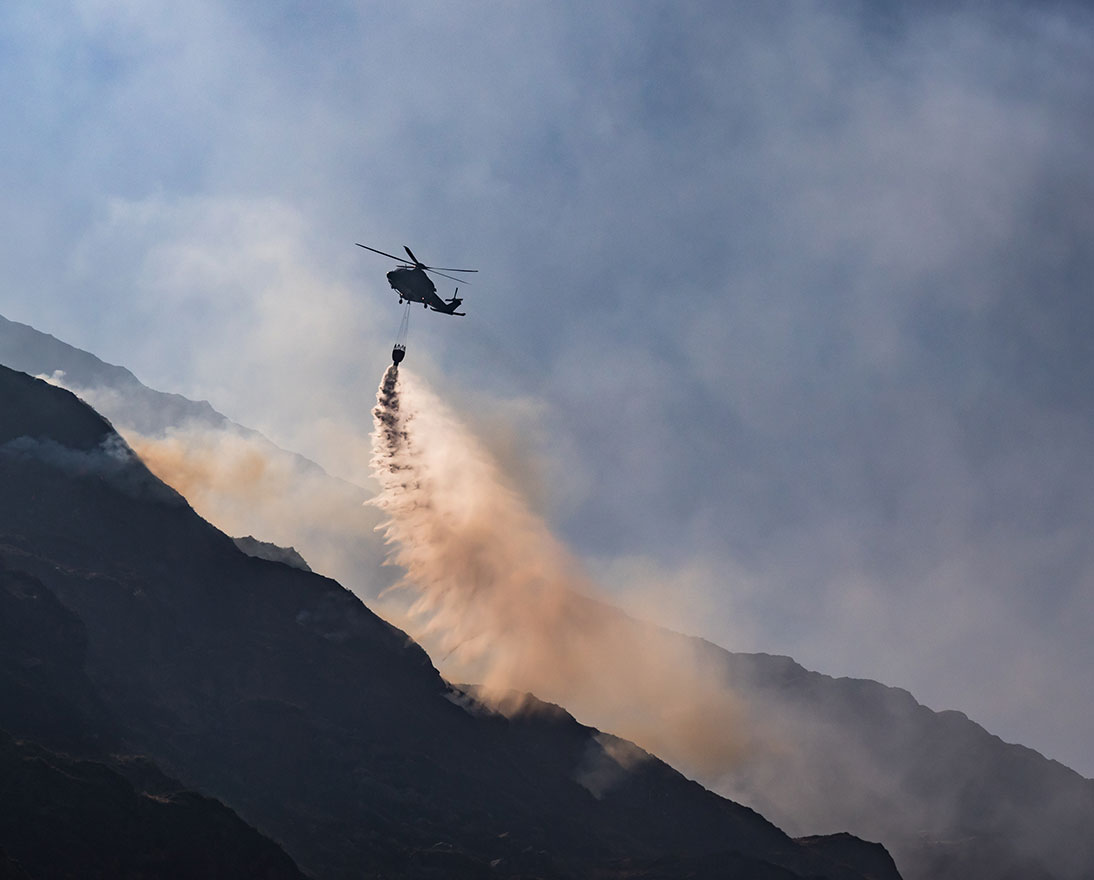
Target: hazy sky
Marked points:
785	310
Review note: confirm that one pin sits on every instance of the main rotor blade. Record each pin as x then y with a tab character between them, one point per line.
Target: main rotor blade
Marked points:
449	277
381	253
437	269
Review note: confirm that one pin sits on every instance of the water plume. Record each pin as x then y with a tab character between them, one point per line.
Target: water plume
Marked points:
498	600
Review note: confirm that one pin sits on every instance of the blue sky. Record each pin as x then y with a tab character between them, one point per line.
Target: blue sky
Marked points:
784	310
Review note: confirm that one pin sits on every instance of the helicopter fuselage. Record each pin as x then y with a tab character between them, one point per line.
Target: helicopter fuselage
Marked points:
413	285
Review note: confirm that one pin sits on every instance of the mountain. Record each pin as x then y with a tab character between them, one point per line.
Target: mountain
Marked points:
949	799
291	480
115	816
39	354
138	628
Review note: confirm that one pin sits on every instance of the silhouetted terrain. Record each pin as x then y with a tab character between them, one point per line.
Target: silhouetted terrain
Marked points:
136	627
113	817
134	407
949	799
63	817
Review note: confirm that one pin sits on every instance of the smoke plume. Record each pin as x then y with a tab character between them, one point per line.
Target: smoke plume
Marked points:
497	600
245	485
113	461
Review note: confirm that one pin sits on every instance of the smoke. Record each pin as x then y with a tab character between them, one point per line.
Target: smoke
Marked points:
606	762
111	461
245	485
497	600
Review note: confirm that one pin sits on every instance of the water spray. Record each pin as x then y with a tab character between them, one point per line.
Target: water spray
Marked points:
497	600
390	436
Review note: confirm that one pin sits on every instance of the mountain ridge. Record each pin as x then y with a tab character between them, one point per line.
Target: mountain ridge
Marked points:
279	693
899	739
41	354
952	788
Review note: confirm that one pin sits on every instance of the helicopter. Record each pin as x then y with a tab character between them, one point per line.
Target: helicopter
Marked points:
413	285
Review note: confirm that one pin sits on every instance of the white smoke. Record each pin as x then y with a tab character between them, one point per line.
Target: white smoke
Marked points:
245	485
111	461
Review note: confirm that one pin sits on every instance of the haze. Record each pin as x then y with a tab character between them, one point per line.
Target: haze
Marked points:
783	316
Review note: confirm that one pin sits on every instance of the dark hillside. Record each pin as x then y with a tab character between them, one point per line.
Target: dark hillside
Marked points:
63	817
52	418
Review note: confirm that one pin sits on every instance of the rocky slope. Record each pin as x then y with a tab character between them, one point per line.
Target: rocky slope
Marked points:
111	817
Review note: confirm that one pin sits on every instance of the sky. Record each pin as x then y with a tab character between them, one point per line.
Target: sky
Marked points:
783	315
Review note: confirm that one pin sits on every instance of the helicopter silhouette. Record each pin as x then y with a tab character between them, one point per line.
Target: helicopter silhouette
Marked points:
412	283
